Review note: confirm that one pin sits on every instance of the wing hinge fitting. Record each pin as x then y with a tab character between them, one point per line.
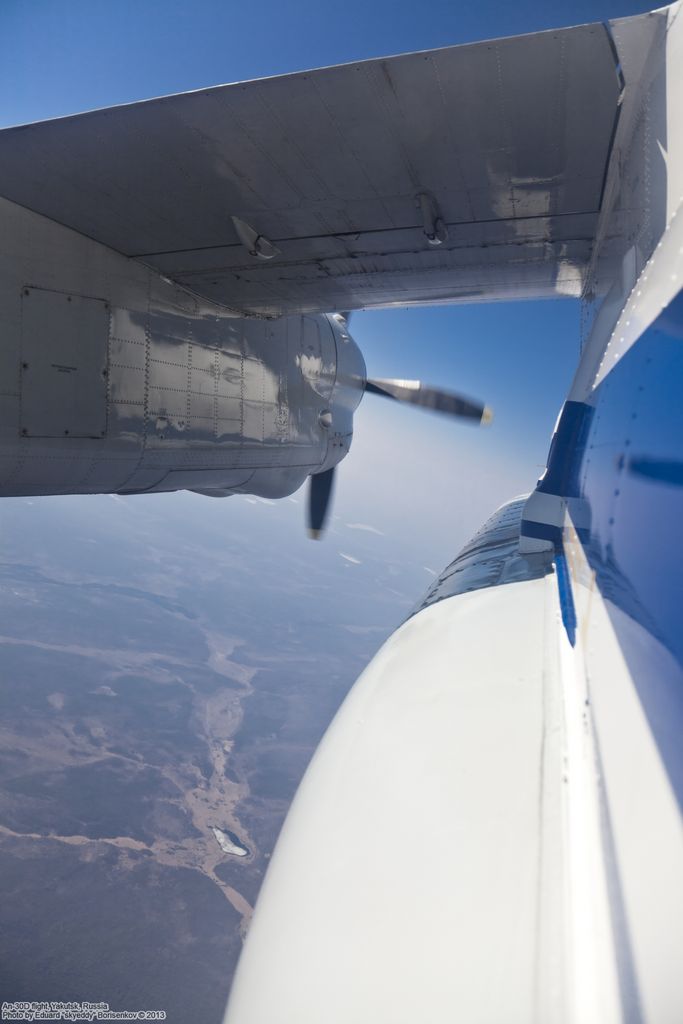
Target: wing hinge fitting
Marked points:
256	244
434	228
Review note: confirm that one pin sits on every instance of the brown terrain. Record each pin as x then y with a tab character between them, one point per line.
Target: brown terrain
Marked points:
158	680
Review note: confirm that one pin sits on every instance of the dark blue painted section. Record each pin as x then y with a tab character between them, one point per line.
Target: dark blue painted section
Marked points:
624	478
562	475
564	586
542	531
566	449
665	471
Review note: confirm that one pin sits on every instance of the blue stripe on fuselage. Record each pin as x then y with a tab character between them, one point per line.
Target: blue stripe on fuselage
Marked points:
621	467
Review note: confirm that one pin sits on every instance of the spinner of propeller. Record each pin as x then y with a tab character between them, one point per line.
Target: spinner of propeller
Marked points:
412	392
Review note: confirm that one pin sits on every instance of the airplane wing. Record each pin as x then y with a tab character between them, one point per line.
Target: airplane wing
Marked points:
460	174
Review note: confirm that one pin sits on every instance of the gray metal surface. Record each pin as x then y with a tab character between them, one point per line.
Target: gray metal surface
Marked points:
64	341
509	140
491	558
113	379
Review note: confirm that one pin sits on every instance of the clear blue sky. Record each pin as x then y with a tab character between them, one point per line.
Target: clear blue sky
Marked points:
62	56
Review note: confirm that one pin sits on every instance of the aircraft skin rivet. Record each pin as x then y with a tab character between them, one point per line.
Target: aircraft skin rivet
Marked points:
24	366
24	431
66	432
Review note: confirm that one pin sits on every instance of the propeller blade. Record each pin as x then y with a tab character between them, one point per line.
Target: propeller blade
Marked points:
319	494
416	393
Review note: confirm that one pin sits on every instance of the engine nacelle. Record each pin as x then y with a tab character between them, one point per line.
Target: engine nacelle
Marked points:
118	381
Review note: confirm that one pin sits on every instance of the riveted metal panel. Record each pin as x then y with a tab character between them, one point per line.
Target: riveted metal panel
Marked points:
127	361
63	365
229	374
167	401
510	138
202	405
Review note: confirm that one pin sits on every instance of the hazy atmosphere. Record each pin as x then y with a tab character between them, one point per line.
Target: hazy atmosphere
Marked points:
168	663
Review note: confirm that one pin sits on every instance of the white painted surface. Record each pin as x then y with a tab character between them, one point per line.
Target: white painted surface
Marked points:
658	284
487	833
419	872
593	995
644	817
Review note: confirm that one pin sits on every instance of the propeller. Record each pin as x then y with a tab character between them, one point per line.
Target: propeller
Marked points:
416	393
319	494
413	392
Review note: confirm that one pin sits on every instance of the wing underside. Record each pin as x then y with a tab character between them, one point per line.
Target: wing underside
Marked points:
344	172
